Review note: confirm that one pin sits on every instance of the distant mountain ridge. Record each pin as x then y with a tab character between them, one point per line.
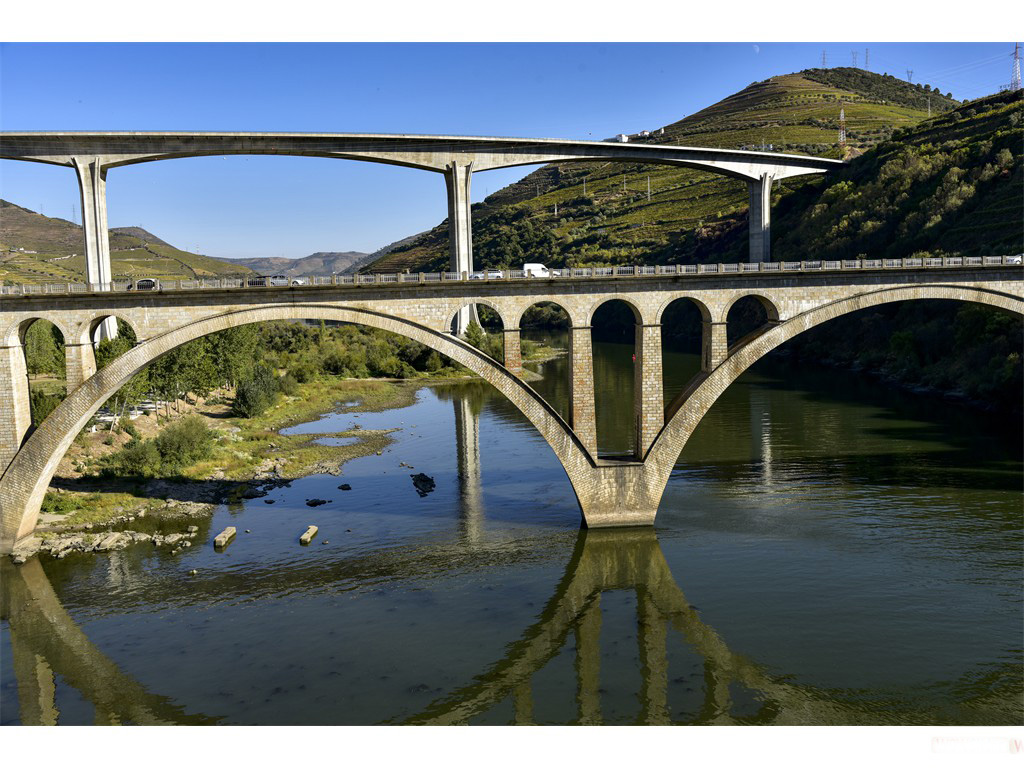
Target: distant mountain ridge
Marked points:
320	263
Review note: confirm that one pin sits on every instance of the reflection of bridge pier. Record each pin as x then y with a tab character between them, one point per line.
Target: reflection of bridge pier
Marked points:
629	560
46	642
467	442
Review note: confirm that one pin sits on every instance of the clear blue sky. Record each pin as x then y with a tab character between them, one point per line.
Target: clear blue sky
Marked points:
279	206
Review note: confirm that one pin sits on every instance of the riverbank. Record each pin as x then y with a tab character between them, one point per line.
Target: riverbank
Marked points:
85	506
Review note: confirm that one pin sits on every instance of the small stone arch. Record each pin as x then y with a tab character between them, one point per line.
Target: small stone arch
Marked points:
638	314
23	484
705	311
493	306
87	330
518	320
14	334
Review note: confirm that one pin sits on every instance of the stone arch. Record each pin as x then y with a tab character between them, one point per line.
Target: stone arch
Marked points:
769	305
86	332
705	311
23	484
14	334
493	306
522	310
638	314
687	411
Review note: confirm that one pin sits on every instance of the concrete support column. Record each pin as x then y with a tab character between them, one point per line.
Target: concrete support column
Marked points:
457	177
582	414
714	346
513	351
588	663
15	407
653	635
760	218
92	184
80	364
648	387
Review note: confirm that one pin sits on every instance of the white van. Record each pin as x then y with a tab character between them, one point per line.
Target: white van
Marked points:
536	270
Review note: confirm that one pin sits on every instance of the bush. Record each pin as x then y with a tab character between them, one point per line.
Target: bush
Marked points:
256	393
140	458
58	504
42	404
187	442
288	384
129	429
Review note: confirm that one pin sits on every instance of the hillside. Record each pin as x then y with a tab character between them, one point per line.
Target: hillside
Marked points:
604	214
320	263
36	249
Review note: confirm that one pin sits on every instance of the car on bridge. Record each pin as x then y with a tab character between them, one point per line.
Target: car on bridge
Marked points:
271	280
489	274
145	284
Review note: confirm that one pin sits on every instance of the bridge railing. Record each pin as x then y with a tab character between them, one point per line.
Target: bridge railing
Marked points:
569	273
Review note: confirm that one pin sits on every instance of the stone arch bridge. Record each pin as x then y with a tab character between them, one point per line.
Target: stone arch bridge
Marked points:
796	296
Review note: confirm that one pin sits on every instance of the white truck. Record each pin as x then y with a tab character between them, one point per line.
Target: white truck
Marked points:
537	270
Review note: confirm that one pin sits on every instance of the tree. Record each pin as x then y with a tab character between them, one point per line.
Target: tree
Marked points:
256	393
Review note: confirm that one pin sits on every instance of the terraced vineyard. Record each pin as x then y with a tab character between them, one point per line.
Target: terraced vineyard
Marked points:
602	213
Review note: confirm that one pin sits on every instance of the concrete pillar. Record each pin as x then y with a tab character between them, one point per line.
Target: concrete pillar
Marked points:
457	178
648	387
513	351
15	404
588	663
760	218
80	364
582	414
714	346
92	183
652	636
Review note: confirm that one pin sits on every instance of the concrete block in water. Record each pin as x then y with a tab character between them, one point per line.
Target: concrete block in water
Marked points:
224	537
308	535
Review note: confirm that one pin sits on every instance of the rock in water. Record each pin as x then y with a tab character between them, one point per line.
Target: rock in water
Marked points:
423	483
344	487
308	535
316	502
224	537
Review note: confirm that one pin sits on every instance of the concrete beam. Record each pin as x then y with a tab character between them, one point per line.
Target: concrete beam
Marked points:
92	185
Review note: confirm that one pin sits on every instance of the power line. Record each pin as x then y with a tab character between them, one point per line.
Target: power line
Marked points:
910	75
867	66
854	55
1015	77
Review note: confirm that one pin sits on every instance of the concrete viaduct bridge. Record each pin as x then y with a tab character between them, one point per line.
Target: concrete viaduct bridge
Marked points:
796	296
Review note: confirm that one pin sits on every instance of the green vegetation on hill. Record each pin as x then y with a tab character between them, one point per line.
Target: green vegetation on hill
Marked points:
40	249
600	213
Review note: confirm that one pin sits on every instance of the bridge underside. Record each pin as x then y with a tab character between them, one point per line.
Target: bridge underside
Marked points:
609	493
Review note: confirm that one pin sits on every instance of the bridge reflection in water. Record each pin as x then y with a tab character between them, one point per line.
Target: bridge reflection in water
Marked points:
47	646
46	642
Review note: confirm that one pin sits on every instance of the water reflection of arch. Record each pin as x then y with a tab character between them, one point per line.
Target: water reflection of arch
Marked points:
45	641
629	559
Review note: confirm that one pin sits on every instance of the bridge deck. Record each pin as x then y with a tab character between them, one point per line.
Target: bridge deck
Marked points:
695	271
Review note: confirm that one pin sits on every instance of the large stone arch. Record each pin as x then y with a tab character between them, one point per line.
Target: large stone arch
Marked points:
24	483
687	411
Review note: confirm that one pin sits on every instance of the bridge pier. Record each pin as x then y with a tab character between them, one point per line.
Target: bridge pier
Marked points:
79	364
15	402
457	178
714	345
648	387
760	218
582	413
92	185
513	351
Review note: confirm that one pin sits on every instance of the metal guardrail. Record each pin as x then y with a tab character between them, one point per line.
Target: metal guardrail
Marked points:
569	273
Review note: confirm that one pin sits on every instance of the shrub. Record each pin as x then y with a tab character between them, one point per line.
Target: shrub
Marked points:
288	384
256	393
140	458
58	504
129	429
185	443
42	404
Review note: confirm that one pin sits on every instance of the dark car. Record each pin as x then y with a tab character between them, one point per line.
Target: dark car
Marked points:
147	284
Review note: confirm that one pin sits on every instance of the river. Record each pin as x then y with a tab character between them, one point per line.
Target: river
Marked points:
828	551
